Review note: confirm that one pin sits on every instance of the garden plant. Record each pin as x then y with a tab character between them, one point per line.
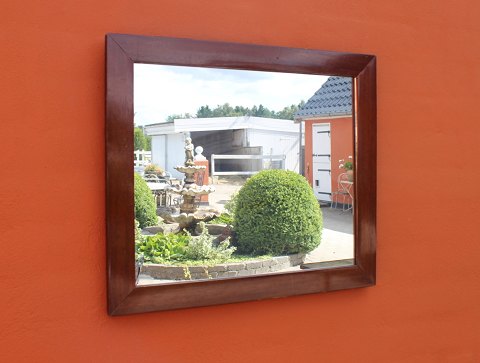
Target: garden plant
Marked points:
182	248
145	209
277	213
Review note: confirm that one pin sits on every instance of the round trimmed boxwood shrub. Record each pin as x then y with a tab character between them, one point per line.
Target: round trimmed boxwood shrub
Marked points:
145	208
277	213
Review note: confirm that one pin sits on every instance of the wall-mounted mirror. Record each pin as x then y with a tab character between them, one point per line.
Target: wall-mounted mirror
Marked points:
232	169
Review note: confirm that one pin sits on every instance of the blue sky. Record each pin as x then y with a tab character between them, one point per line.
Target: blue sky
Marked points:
160	91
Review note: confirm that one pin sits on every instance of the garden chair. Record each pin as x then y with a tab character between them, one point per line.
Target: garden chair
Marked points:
342	191
151	178
158	189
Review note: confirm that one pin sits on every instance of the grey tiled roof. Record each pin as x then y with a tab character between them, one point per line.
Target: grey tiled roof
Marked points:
334	98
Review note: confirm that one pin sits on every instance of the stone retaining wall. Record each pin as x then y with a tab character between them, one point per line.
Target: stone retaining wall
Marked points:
247	268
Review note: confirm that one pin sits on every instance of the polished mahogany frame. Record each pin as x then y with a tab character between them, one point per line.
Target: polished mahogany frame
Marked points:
122	51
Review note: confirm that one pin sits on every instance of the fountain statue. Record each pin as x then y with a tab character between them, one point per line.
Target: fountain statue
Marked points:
189	190
188	152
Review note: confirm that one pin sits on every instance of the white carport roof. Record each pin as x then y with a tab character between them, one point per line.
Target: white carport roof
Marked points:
221	123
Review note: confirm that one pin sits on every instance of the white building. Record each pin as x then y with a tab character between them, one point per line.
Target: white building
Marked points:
245	135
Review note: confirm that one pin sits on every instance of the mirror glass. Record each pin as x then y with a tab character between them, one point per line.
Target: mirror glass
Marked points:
239	173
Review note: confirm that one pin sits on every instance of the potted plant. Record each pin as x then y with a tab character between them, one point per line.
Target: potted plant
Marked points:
153	169
347	165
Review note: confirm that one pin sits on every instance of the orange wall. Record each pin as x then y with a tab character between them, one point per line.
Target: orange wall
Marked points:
425	307
341	138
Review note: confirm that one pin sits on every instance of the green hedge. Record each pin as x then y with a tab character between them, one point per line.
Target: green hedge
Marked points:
145	208
277	213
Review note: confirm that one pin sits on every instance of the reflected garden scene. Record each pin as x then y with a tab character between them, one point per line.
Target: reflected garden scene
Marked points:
240	173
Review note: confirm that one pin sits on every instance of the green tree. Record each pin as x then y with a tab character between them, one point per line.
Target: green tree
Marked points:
204	111
170	118
139	142
148	143
226	110
288	112
242	111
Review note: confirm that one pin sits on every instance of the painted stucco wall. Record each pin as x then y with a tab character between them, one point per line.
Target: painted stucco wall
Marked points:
425	307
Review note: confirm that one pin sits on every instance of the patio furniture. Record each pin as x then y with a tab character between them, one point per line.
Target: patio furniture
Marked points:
168	176
152	178
158	187
344	189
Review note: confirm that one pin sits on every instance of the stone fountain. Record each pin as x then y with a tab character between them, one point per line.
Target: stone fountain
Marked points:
189	213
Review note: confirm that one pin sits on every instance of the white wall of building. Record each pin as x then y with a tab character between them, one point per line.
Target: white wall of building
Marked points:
277	143
276	137
168	152
158	150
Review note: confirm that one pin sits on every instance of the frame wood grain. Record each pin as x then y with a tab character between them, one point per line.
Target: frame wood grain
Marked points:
122	51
